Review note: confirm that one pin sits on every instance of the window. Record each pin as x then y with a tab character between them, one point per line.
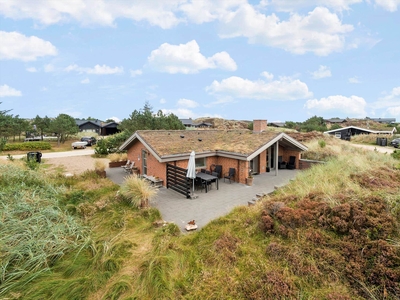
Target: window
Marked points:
201	162
338	135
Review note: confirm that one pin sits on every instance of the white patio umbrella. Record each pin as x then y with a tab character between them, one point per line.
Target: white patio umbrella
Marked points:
191	168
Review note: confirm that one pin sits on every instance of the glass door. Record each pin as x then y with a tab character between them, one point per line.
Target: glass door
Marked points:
144	162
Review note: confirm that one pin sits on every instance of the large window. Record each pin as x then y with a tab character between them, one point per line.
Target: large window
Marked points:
201	162
338	135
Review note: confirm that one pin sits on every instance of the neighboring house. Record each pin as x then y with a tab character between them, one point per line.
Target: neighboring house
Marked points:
202	125
189	123
97	126
244	150
277	124
383	120
346	133
109	128
334	121
89	125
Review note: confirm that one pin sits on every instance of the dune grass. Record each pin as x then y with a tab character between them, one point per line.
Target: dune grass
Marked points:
332	233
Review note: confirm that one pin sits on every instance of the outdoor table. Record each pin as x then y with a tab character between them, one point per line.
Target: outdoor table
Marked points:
207	178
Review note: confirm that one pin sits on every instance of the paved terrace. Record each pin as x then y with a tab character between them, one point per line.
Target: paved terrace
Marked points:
174	207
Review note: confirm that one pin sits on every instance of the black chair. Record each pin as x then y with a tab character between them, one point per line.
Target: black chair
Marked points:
218	170
292	163
199	184
203	170
230	175
214	180
281	164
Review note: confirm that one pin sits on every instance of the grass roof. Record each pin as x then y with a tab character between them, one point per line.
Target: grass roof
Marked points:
172	142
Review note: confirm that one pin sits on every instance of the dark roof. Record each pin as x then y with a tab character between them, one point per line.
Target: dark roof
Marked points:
186	121
82	122
241	143
277	124
383	120
363	129
110	125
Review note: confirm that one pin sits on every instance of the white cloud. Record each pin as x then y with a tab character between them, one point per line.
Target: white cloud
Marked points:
322	72
390	102
94	12
163	101
394	111
85	81
352	106
7	91
267	75
290	5
283	89
354	80
320	32
20	47
49	68
136	72
31	69
116	119
96	70
390	5
186	103
187	59
181	113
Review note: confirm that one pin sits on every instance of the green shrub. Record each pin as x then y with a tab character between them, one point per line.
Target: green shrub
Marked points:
27	146
322	143
396	154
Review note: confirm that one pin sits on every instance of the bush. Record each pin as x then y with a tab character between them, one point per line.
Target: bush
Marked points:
138	191
322	143
396	154
27	146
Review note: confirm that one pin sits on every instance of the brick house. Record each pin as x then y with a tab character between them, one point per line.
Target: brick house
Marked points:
256	151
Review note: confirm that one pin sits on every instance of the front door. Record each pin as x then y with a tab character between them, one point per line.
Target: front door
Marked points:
144	162
254	165
270	157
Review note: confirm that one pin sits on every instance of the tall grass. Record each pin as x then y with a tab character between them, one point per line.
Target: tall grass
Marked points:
34	232
137	190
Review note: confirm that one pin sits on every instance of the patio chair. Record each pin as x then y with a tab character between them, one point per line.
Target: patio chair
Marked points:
128	162
281	164
230	175
199	184
218	170
129	168
214	180
292	163
203	170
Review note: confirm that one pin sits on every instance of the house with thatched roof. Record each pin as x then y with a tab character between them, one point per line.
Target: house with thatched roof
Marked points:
256	151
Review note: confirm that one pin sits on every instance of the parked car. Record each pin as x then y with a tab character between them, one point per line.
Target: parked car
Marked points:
90	140
395	143
81	145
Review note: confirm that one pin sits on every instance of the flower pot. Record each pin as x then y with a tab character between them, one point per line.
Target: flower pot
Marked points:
115	164
249	180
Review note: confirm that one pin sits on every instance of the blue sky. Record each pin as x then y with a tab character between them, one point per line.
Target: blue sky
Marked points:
280	60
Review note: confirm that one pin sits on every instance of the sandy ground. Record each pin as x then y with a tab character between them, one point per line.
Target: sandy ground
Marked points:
74	165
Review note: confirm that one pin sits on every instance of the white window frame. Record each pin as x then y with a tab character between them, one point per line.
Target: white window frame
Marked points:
338	135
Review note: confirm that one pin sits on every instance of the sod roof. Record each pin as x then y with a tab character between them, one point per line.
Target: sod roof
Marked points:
175	142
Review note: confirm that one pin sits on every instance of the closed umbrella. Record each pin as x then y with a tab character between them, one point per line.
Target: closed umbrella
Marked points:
191	169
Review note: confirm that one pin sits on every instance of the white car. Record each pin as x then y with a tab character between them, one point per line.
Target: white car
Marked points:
76	145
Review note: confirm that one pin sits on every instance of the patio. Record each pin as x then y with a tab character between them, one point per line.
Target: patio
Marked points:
175	208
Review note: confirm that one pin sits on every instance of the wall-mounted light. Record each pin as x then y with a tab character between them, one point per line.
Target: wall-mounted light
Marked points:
182	136
199	140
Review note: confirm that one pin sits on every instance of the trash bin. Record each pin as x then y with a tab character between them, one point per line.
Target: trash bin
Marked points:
37	156
383	141
378	141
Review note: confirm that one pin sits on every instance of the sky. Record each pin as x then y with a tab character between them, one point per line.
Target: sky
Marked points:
279	60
